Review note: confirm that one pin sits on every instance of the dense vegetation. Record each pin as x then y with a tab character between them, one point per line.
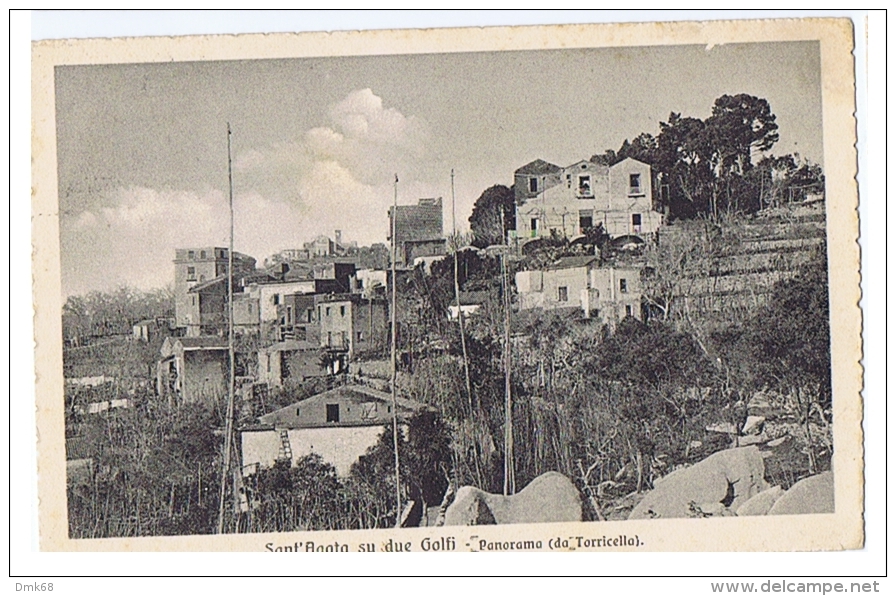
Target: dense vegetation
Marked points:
611	407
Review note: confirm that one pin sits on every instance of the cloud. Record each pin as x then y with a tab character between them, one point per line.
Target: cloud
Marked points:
336	176
342	172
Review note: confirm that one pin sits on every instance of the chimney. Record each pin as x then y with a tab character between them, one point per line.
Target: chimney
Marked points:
338	236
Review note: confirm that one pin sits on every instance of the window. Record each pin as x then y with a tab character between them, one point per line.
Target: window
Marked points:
628	310
191	273
533	184
586	219
330	339
201	254
634	184
318	312
623	285
298	411
585	185
533	225
341	311
310	314
636	219
276	298
562	294
360	336
289	315
249	306
191	254
201	278
332	412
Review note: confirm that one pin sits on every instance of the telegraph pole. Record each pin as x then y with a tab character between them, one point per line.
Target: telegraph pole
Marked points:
231	389
394	359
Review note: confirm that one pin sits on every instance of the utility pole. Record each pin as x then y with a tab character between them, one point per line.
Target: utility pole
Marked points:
460	312
509	476
228	426
395	361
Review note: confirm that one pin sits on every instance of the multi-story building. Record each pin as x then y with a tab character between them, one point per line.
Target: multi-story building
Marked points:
567	201
418	231
194	266
607	293
351	323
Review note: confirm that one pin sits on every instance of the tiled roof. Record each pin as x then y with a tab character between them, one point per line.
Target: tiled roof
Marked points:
205	342
353	393
418	222
291	345
207	285
572	262
539	167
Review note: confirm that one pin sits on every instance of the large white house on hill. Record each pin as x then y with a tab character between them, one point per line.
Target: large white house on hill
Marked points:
568	200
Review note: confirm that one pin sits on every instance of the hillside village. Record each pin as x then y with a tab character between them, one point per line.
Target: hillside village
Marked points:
628	331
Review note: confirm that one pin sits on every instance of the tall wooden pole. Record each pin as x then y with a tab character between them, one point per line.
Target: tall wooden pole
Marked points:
394	359
509	475
228	426
460	312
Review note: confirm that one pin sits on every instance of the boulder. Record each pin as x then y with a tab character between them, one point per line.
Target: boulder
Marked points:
753	425
814	494
730	477
551	497
761	503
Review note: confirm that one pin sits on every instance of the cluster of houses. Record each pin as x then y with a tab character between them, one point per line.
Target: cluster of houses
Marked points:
302	324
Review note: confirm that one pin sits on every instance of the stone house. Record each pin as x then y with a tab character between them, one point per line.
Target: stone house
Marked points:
339	425
352	323
418	231
193	369
291	360
194	266
607	293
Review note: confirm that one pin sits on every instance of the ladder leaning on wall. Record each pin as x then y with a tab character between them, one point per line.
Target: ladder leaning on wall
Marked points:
285	453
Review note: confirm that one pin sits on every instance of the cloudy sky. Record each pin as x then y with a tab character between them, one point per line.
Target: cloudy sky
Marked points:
317	141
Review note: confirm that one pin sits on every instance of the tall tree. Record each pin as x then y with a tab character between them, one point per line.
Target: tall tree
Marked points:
739	126
494	213
683	164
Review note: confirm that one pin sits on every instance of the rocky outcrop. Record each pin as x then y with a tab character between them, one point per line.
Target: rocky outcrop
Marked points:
761	503
717	485
551	497
814	494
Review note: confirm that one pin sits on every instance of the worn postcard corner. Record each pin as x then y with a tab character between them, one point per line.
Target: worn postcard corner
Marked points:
569	288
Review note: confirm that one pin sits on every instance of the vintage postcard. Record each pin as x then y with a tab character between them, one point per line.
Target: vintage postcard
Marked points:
561	288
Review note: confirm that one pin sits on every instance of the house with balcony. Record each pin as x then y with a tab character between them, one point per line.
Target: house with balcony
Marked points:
566	201
352	324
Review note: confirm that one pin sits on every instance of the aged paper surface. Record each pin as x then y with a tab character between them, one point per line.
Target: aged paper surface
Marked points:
838	530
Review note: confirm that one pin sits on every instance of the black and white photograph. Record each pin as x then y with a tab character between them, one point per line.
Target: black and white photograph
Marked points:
608	285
